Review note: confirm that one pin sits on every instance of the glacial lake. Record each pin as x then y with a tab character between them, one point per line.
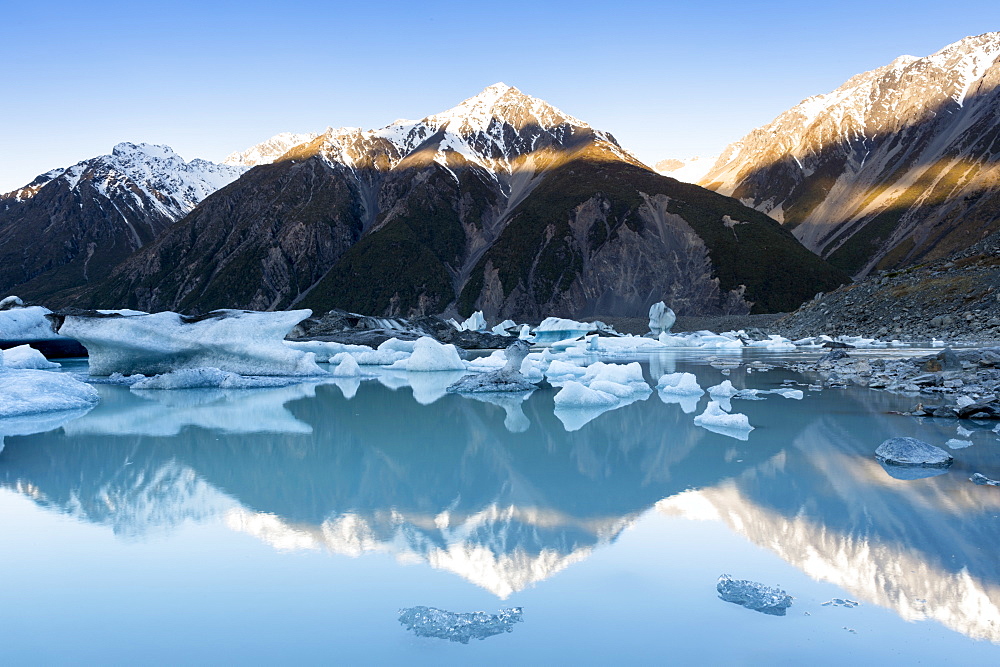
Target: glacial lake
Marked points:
293	524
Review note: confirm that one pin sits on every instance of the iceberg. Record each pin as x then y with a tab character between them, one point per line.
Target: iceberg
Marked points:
237	341
683	384
430	355
576	395
25	356
24	323
716	420
363	355
476	322
661	319
28	392
753	595
506	379
347	367
561	371
432	622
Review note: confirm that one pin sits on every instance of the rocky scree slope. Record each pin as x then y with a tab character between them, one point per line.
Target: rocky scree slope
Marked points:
503	204
72	226
957	297
897	166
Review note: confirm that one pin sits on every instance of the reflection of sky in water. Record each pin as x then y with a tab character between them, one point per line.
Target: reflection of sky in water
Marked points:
230	510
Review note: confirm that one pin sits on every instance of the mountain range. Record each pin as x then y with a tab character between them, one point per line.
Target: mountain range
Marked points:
898	166
503	204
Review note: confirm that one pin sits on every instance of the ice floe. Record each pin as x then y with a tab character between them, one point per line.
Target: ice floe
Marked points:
26	392
753	595
429	355
715	419
455	627
25	357
237	341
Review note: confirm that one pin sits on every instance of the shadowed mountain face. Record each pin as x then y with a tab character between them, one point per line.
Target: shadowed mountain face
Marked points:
71	226
898	165
502	203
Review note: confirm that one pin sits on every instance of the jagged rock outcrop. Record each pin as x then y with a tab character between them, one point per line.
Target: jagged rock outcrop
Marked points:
503	204
898	165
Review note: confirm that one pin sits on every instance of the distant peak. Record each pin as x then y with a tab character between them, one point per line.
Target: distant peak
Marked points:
127	148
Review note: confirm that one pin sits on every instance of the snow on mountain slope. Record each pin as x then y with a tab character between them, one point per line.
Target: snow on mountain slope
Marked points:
690	170
268	151
170	184
92	215
491	130
897	165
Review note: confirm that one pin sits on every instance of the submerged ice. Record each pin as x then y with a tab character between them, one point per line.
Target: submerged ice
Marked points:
456	627
753	595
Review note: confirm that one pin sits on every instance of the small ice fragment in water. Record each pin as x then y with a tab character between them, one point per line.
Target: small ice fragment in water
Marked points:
753	595
983	480
432	622
838	602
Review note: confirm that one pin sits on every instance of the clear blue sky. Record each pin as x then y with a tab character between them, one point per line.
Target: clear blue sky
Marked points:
207	78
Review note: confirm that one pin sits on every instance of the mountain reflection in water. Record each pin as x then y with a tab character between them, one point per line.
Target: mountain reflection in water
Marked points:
500	493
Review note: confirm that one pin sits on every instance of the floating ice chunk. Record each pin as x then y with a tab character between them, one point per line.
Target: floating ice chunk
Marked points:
574	394
723	390
753	595
564	325
773	342
982	480
476	322
661	318
208	378
715	419
700	339
24	323
561	371
795	394
432	622
504	327
238	341
364	355
508	378
682	384
620	373
25	356
347	367
397	345
28	392
955	443
525	332
619	390
430	355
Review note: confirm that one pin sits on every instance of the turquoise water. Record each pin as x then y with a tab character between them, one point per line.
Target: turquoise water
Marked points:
292	524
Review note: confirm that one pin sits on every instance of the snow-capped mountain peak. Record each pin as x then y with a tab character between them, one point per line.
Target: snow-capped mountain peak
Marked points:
504	103
153	175
904	152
